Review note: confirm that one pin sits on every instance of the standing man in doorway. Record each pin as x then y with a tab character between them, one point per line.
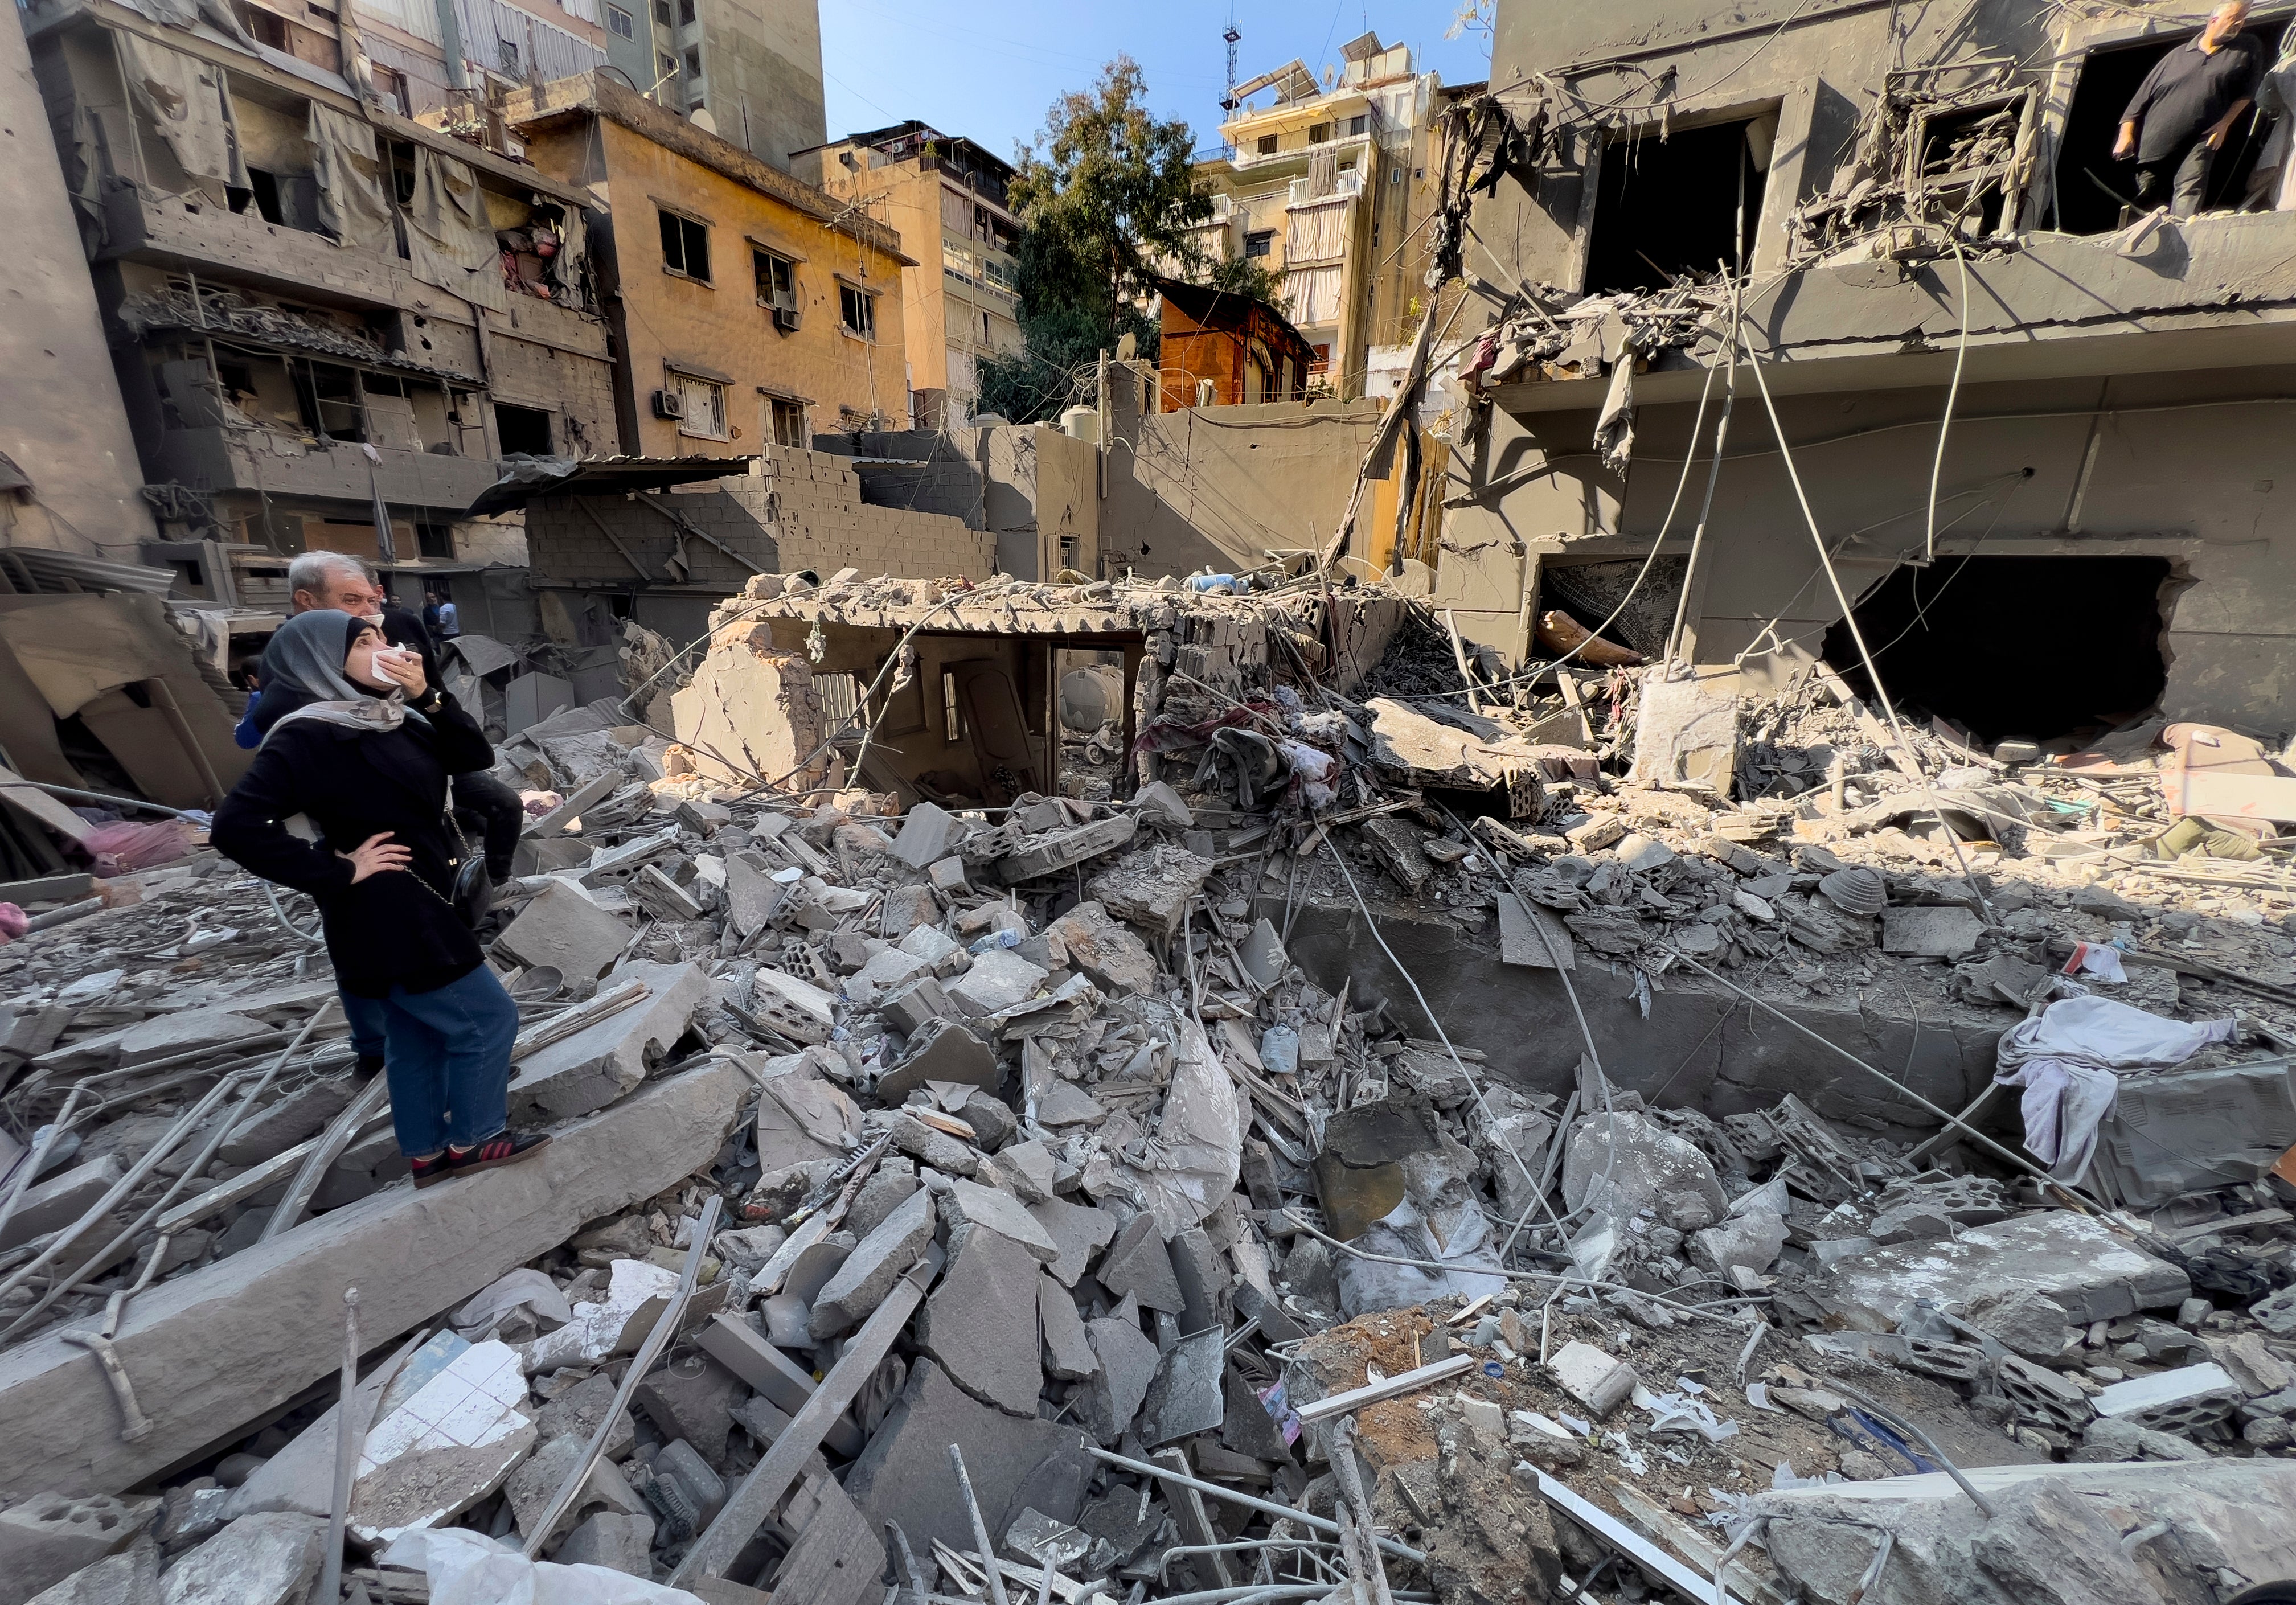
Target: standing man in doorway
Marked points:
2187	105
450	620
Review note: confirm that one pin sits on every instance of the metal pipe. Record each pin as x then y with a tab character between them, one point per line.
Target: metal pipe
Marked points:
348	1432
1401	1552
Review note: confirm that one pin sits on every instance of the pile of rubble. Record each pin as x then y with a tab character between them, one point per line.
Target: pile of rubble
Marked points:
983	1202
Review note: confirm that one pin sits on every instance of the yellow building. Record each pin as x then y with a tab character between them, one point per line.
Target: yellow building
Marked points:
936	190
746	306
1324	186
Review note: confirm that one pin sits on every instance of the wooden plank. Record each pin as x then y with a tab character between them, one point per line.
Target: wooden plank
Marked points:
750	1503
836	1560
1372	1393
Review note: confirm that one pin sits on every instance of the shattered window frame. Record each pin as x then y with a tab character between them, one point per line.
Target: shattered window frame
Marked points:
679	235
708	421
856	312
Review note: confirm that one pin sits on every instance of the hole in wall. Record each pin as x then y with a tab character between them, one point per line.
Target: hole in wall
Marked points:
1672	206
2030	647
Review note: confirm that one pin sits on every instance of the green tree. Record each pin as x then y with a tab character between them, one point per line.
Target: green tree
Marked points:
1105	196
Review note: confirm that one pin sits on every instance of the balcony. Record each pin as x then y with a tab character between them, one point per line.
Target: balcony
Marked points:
280	465
174	231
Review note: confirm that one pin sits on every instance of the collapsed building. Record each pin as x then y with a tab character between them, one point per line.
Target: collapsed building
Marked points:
1153	1090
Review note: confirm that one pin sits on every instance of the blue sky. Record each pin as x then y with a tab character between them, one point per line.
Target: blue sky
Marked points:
989	73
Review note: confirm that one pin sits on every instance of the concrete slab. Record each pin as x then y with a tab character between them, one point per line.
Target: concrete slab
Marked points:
48	1538
970	1204
1138	1264
130	1577
447	1447
877	1261
563	929
980	1323
1107	1401
1015	1463
998	979
247	1333
1149	889
1105	949
594	1067
1183	1397
925	835
942	1050
61	1200
1077	1230
2068	1257
1068	1347
1930	933
269	1560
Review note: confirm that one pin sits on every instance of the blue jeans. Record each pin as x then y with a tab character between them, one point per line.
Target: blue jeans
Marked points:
366	1016
449	1060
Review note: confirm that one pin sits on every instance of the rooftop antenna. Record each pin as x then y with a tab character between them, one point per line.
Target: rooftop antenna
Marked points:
1228	103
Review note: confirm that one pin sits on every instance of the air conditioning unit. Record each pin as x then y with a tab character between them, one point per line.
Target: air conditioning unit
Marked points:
668	403
786	319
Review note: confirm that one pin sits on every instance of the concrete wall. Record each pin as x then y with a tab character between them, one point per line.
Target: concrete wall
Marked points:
1034	488
761	74
802	510
61	416
1220	486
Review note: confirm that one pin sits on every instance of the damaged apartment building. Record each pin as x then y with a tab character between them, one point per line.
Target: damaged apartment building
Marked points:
328	322
2035	444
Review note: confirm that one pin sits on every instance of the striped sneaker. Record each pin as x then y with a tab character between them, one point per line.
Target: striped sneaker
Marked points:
437	1168
505	1147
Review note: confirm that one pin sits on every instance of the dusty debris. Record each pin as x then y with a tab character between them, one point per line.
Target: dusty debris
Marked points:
1032	1134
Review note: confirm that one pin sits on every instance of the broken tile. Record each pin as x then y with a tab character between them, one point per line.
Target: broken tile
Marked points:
1185	1397
447	1447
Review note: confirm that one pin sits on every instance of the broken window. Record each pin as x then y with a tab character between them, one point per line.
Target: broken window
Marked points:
785	421
685	13
620	23
684	246
394	89
522	430
2093	187
1987	641
661	13
1686	205
694	62
1260	242
331	407
506	56
268	28
859	309
776	287
701	406
840	698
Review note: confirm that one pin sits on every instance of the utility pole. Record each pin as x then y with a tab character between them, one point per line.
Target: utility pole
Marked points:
1228	103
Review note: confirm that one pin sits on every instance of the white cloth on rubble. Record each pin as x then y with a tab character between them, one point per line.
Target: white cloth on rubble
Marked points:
2067	1058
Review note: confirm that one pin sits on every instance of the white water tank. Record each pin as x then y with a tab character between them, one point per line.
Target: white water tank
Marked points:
1081	423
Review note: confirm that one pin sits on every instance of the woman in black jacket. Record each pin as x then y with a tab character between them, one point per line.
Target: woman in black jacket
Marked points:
364	753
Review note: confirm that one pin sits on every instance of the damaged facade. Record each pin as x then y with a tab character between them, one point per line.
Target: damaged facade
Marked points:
317	308
1927	230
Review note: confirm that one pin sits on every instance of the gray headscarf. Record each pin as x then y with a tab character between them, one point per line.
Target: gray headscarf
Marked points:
306	659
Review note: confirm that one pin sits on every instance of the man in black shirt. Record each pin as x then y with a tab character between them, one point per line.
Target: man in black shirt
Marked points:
2187	105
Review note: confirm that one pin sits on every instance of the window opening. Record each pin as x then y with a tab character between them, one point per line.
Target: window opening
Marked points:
620	23
1268	144
952	717
703	411
522	430
2092	187
1260	242
787	419
859	308
684	246
1665	207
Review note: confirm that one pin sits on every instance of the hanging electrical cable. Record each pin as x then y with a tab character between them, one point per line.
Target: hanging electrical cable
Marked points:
1945	427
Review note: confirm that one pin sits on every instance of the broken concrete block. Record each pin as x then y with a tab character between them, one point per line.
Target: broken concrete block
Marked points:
2255	1368
623	1543
447	1447
893	1183
2026	1323
1151	888
567	931
947	876
1015	1462
925	835
48	1538
1245	1426
927	1145
2173	1401
285	1121
1106	950
908	909
1067	1348
980	1323
1597	1380
1159	804
941	1050
535	1483
1138	1264
743	1349
1643	854
1940	932
610	1058
1686	734
1645	1162
233	1347
799	1010
1910	1222
59	1201
130	1577
1183	1397
267	1559
967	1204
1108	1401
884	972
752	897
1750	1240
1064	1103
692	1398
1057	850
922	1001
869	1273
2276	1312
998	979
1203	1274
2070	1259
994	1124
1078	1233
1029	1169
